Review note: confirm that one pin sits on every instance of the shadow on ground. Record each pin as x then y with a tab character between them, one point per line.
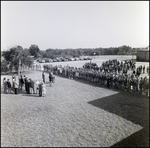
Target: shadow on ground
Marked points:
132	107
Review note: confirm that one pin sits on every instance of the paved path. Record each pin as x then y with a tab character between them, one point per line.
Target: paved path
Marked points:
74	114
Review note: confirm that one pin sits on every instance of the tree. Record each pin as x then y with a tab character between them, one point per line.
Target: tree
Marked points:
34	50
25	58
125	50
49	53
43	54
13	55
4	66
116	50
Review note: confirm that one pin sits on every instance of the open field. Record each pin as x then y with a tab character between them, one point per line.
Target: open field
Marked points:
74	114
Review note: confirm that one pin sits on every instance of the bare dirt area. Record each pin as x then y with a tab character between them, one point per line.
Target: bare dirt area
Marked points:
74	114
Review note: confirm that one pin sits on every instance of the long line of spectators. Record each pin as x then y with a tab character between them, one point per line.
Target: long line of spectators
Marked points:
114	74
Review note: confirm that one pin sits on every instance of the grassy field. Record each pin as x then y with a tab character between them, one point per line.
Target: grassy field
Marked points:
74	114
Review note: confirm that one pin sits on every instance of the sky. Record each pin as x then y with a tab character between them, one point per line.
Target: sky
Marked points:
74	24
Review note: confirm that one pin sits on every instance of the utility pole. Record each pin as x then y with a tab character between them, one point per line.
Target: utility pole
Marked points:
19	57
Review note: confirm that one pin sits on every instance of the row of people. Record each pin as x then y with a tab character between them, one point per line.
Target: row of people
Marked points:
112	79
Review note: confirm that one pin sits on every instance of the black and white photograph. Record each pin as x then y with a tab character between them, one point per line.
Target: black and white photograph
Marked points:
74	73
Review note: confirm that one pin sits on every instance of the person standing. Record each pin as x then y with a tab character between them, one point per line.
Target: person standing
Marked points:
141	85
43	76
40	89
144	69
50	78
16	86
36	87
9	86
13	79
28	86
25	81
21	82
147	69
108	81
44	90
5	86
32	86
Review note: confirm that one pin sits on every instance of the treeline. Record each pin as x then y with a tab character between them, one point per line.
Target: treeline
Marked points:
27	55
123	50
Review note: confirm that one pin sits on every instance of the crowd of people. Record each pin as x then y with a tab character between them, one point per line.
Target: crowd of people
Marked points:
114	74
27	85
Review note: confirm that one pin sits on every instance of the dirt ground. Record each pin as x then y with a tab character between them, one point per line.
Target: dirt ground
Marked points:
74	114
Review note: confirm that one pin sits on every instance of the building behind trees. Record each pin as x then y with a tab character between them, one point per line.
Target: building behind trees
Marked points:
143	55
